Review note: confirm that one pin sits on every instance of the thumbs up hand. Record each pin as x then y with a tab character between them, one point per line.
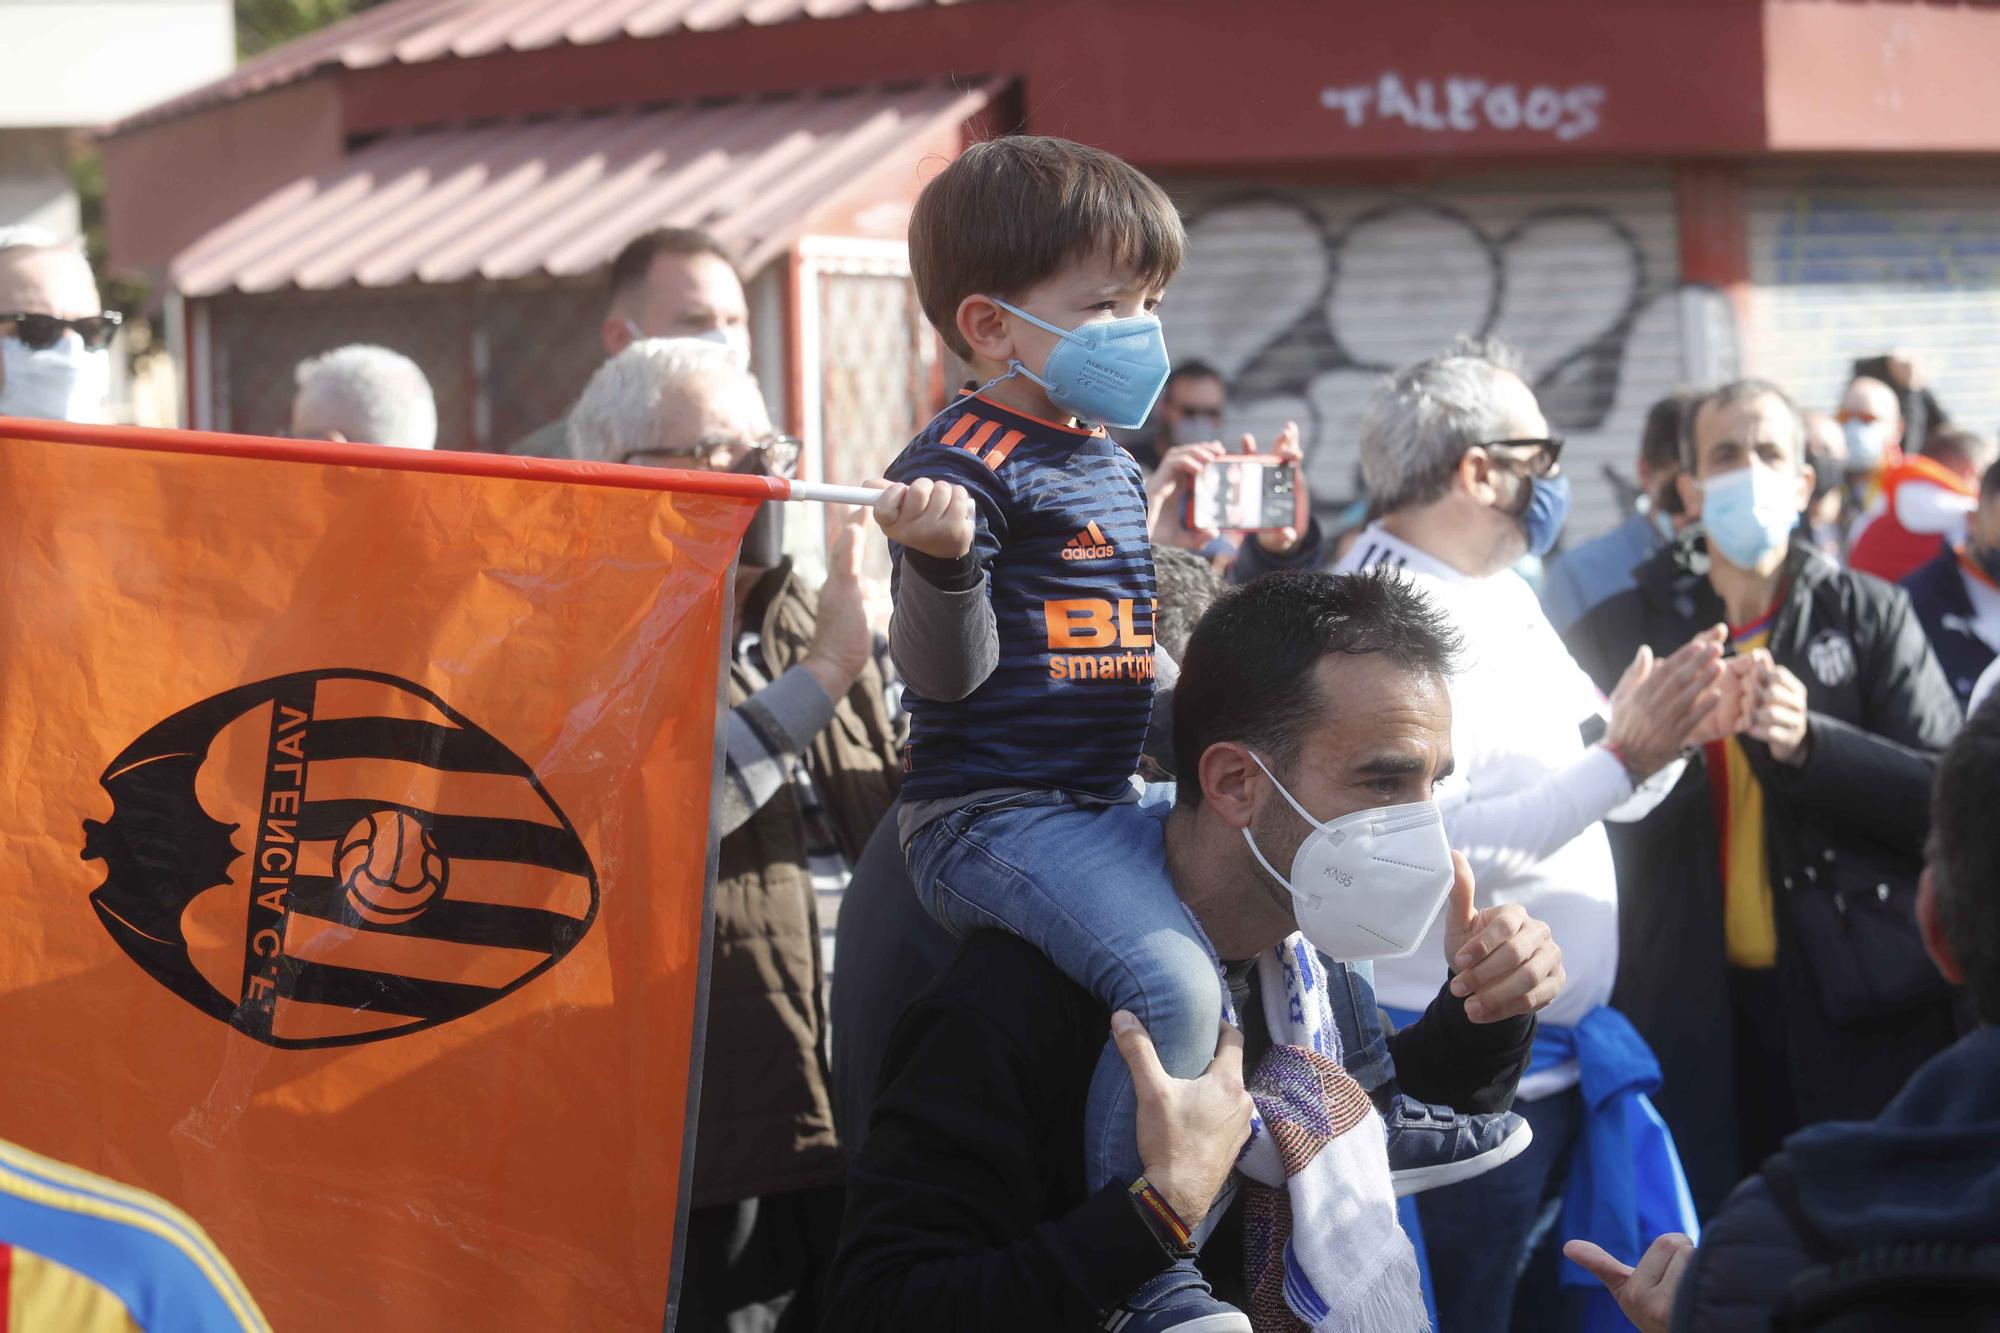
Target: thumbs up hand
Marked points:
1507	963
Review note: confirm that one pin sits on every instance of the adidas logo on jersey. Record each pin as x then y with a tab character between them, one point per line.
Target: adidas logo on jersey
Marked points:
1090	544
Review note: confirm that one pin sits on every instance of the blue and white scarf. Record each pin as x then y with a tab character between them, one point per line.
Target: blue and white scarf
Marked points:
1324	1249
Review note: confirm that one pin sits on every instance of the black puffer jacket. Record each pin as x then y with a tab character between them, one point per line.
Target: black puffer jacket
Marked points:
1852	818
1748	1256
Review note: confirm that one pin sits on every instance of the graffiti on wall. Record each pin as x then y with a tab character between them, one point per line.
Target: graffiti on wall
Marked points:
1837	237
1463	105
1303	315
1848	269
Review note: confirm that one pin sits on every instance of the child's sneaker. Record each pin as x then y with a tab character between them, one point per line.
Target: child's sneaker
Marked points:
1178	1299
1431	1146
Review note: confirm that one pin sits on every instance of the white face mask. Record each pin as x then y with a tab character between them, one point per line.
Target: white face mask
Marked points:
1867	443
739	347
1368	884
66	382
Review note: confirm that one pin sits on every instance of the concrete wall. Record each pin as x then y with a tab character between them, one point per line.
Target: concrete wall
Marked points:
87	62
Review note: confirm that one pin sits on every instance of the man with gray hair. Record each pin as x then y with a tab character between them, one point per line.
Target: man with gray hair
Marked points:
366	395
812	766
1775	965
1466	474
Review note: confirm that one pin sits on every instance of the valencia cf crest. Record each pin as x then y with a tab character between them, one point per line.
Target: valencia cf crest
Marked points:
335	857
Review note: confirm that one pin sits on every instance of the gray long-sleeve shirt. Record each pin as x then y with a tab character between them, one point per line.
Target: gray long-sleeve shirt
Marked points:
765	735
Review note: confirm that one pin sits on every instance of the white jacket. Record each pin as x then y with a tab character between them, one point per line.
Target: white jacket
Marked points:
1528	796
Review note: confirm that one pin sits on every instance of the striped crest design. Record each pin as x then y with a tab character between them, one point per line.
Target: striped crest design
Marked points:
974	434
335	857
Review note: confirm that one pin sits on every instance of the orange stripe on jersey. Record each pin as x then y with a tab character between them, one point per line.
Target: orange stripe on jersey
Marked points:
958	429
1096	534
1044	421
980	437
1002	449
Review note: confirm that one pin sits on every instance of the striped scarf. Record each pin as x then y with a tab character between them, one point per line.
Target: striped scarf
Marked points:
1325	1251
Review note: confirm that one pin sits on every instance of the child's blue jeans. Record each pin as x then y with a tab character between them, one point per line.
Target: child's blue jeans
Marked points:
1088	886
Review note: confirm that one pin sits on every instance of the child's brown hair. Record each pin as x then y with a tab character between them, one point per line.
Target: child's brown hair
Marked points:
1010	212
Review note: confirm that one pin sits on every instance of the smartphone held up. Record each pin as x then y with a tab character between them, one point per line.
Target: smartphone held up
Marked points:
1247	493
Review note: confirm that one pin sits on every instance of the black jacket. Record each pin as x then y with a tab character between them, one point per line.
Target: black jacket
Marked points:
966	1208
1944	607
1926	1170
1855	814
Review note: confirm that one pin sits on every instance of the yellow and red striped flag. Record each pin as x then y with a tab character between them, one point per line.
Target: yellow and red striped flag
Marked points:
356	846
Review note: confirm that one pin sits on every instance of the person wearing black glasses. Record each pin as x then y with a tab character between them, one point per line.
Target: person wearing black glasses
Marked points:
811	766
1467	477
54	331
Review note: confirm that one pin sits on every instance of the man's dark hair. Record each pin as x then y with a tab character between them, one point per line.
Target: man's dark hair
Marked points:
1954	446
1965	855
1194	368
1187	585
1010	212
1989	482
1660	439
1729	395
635	261
1248	672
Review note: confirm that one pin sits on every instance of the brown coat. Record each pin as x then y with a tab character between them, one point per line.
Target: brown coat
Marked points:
766	1122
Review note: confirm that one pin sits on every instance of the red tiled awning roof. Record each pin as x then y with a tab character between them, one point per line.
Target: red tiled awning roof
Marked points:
562	195
412	32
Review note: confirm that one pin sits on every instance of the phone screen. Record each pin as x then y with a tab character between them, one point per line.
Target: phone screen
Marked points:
1246	495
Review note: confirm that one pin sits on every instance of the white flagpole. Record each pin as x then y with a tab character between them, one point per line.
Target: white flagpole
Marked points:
826	493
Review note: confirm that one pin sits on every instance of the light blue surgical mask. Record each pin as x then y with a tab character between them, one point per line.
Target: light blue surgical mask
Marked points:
1109	371
1547	511
1749	513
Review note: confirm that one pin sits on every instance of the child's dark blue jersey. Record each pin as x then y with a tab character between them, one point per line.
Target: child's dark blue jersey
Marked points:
1062	539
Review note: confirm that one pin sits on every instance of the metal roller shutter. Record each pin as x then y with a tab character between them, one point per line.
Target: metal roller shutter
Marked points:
1849	265
1304	297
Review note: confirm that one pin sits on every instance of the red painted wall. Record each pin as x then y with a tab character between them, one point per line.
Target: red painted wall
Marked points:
1295	81
1192	82
168	184
1277	89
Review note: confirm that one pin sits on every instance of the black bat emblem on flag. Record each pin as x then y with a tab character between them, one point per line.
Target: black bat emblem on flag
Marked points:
334	857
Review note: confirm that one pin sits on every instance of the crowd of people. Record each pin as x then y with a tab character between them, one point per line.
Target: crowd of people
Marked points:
1393	918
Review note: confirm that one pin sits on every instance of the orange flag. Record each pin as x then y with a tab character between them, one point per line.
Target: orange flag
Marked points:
356	839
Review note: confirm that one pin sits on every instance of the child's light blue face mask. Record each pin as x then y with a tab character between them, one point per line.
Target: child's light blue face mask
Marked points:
1109	371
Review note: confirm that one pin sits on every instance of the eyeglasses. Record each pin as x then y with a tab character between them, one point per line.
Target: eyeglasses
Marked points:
780	454
1542	463
41	332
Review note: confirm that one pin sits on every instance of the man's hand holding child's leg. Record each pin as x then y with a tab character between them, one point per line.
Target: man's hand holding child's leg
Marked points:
1190	1130
935	517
